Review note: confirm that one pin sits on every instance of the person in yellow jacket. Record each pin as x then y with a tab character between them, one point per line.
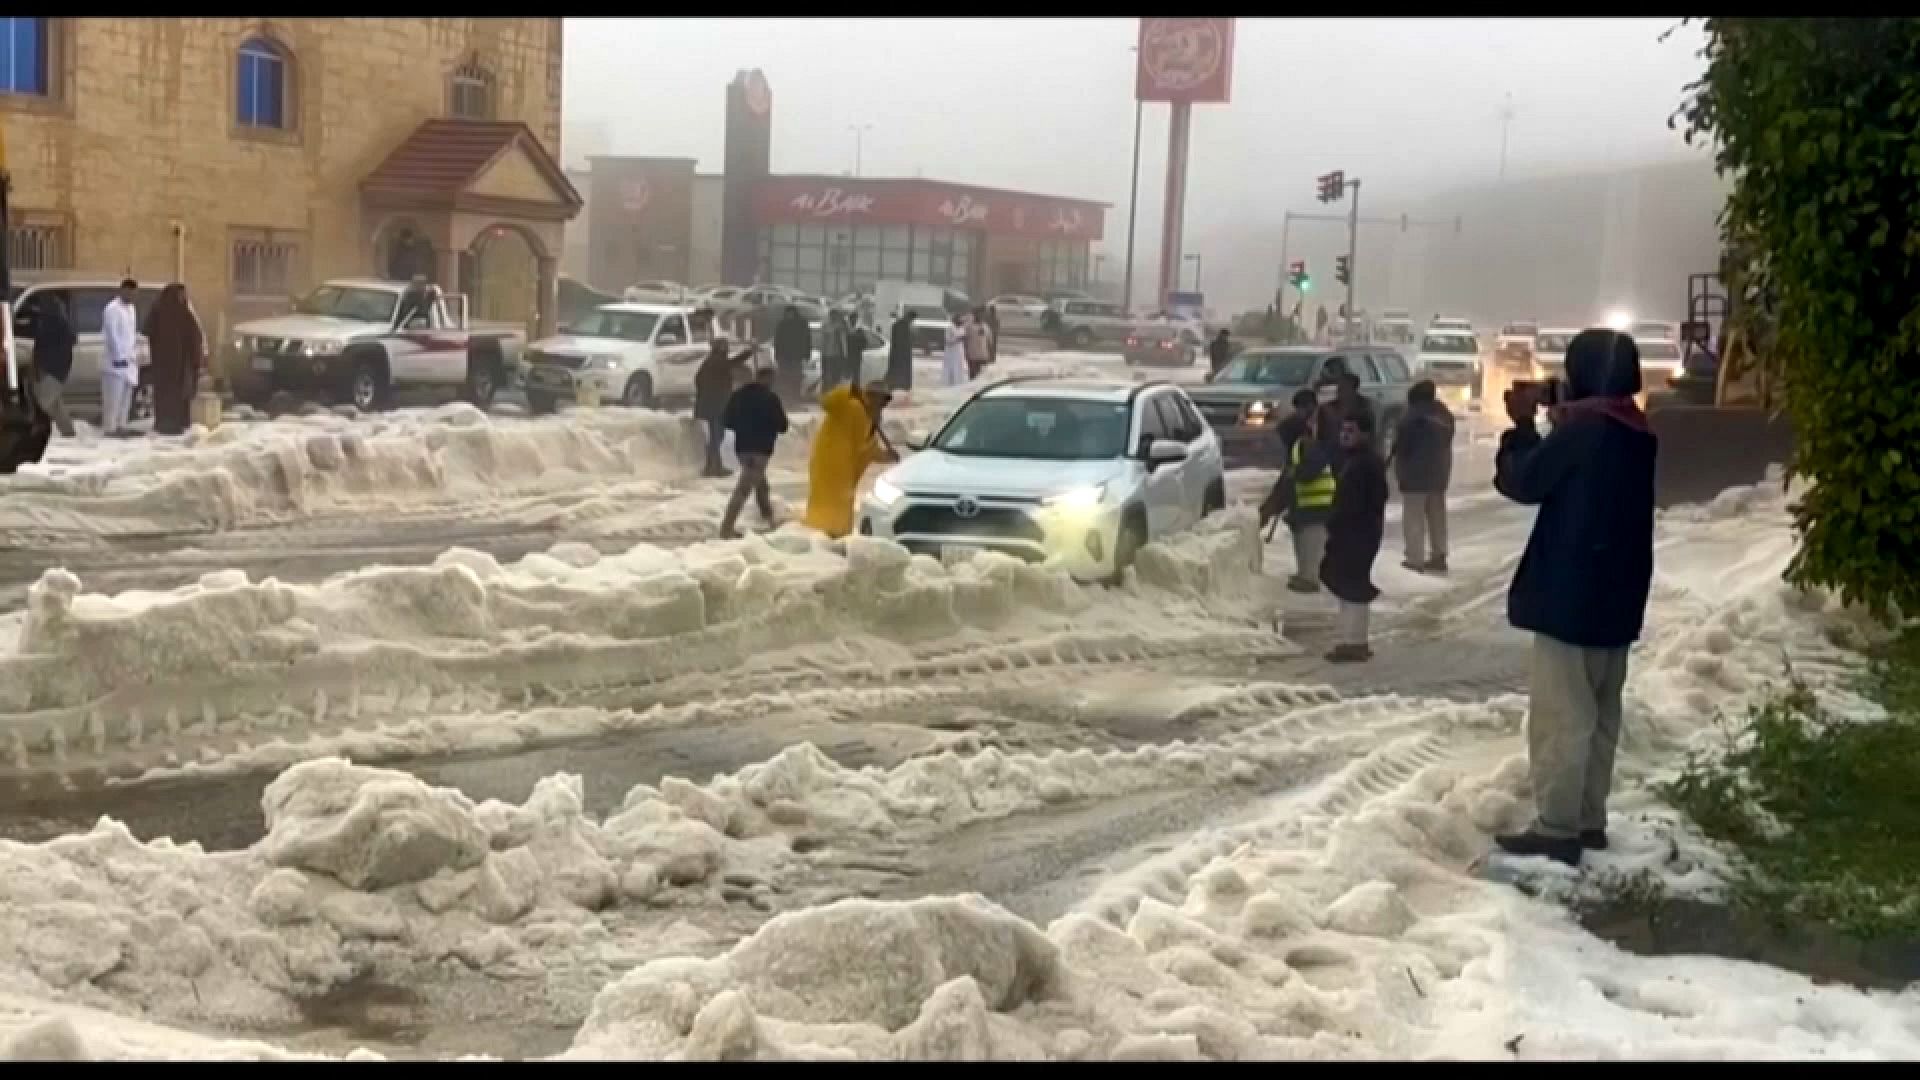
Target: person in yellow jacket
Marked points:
848	441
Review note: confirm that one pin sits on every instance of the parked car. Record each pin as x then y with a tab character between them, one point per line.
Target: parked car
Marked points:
732	300
1170	342
1659	360
656	292
1018	314
1083	324
1079	474
873	359
86	300
638	355
1246	399
355	339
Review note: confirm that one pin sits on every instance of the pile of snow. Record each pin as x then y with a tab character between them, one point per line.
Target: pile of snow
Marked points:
231	660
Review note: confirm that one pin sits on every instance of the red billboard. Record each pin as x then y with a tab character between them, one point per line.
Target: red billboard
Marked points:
787	200
1185	60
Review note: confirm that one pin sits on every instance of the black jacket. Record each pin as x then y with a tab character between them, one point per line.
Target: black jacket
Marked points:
1332	414
756	418
53	343
1219	351
900	353
792	343
1588	566
1355	527
1423	449
713	381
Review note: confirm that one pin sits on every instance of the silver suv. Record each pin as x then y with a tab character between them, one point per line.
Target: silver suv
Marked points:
1083	324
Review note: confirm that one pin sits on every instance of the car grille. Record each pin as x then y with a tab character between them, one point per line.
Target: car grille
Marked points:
1221	413
571	363
991	522
268	346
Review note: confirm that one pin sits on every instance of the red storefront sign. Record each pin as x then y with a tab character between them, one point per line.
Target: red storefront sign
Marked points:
1185	59
795	200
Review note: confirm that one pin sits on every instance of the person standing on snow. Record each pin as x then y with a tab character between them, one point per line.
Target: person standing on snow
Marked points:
120	367
53	340
178	349
1302	496
953	361
712	388
1354	530
978	352
847	442
792	344
1582	583
993	334
1347	402
757	419
900	353
1422	461
833	351
1219	351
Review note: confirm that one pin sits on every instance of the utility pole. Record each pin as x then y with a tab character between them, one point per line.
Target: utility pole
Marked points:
6	279
1133	204
1353	249
1506	123
1286	226
859	132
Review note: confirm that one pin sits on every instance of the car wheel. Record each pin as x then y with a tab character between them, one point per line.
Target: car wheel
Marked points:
367	390
1133	537
638	393
483	380
1082	338
540	404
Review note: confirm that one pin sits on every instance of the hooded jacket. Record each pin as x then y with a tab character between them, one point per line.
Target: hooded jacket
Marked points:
1588	565
792	341
1423	448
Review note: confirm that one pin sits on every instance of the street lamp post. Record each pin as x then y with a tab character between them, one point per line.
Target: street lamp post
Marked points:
1133	199
859	133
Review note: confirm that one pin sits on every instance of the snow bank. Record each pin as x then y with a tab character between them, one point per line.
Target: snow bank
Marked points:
229	663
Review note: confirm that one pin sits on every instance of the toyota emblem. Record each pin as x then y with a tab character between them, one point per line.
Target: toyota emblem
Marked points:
965	507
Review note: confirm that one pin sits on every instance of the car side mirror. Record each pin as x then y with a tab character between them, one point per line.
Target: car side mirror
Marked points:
669	339
1165	452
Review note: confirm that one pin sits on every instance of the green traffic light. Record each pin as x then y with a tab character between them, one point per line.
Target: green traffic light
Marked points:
1306	285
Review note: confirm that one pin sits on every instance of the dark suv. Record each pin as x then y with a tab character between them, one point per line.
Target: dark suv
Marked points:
1246	400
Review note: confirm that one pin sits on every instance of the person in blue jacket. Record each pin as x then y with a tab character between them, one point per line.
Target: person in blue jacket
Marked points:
1582	583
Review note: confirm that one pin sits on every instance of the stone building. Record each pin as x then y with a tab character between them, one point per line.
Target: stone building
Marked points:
253	158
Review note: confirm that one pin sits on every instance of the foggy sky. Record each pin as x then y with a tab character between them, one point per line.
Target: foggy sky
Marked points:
1413	106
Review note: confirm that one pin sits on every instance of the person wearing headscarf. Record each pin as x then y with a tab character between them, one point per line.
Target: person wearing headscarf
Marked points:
953	360
900	352
979	353
792	344
713	383
1582	583
177	349
848	440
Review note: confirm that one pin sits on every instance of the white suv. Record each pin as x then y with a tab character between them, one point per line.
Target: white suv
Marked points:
1072	473
634	354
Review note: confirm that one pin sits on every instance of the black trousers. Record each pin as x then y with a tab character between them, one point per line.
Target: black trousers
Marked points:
716	434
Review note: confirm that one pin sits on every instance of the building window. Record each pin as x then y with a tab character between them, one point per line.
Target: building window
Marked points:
260	85
24	56
34	247
470	95
263	265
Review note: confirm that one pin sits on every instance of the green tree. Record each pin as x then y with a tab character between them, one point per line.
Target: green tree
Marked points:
1817	121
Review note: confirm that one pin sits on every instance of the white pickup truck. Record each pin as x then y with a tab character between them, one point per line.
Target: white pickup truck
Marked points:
357	340
639	355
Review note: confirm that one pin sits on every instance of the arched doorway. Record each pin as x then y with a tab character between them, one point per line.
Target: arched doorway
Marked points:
500	273
404	250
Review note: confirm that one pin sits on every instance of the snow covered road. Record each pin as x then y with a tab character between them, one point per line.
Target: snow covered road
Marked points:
641	793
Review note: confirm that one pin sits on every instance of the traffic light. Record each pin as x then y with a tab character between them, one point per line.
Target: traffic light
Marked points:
1343	269
1297	275
1333	186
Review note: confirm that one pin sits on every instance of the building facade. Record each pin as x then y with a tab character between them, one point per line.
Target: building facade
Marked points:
252	158
832	235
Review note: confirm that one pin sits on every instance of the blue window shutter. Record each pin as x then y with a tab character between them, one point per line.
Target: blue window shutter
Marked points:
23	61
273	77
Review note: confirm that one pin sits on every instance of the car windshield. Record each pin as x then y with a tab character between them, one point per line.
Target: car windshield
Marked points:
625	325
923	311
1553	343
1450	343
1048	428
1394	333
340	302
1276	369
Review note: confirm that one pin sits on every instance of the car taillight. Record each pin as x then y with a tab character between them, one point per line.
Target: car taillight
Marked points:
1166	344
1132	342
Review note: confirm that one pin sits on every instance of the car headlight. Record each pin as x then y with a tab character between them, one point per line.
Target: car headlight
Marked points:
604	363
884	493
1258	411
321	348
1079	498
240	344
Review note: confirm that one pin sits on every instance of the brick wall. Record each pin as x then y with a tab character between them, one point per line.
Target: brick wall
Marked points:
140	132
